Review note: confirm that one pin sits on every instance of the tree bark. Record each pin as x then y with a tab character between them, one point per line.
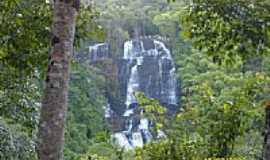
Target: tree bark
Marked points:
54	102
266	146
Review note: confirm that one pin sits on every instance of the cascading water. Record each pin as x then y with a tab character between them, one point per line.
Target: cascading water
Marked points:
99	51
152	71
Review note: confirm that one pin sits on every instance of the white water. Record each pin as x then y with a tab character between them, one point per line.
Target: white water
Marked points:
137	140
108	111
128	113
121	140
133	85
144	124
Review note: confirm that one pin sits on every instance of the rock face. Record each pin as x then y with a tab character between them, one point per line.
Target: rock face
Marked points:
146	66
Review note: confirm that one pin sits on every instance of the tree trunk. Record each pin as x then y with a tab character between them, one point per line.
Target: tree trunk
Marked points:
266	146
54	103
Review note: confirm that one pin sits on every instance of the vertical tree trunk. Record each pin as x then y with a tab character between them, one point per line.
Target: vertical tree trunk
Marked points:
266	146
54	103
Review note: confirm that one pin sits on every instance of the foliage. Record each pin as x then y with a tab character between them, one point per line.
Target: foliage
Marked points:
222	105
24	33
229	30
14	144
168	23
226	29
85	114
101	151
126	19
21	103
24	40
188	147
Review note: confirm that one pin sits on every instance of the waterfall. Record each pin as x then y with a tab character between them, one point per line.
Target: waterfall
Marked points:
146	66
152	71
132	54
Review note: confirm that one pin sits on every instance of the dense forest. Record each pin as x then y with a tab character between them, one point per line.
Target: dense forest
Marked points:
134	79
